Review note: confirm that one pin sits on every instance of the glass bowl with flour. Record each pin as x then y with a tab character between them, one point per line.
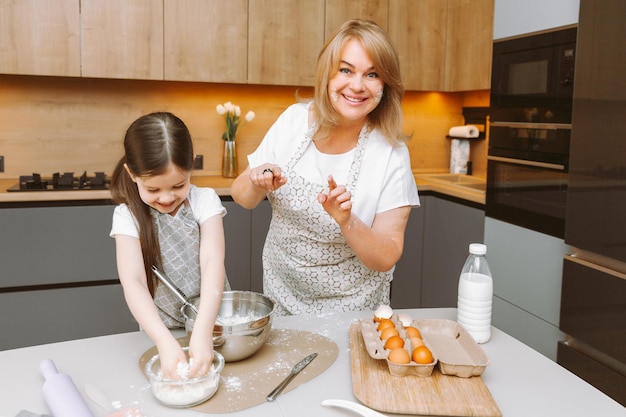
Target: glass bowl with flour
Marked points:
184	392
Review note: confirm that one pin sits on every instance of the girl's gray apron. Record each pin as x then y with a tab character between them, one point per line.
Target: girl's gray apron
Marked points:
307	265
179	238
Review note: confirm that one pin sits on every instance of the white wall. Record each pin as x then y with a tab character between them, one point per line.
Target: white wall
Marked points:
515	17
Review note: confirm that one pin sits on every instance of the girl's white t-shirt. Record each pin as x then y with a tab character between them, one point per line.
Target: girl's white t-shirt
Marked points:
204	204
385	180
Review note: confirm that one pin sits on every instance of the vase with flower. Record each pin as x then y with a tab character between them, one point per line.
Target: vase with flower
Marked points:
232	117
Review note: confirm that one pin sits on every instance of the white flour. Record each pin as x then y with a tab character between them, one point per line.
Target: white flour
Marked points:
179	394
237	319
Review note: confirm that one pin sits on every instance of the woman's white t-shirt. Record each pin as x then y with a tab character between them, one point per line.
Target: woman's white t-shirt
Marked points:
385	180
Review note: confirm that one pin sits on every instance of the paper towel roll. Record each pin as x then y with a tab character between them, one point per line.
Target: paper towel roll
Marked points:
459	155
467	131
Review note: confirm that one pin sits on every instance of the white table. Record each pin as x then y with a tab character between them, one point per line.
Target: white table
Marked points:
523	382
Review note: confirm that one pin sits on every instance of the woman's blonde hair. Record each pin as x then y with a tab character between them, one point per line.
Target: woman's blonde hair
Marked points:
387	116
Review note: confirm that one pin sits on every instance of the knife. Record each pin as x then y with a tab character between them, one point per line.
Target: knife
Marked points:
294	371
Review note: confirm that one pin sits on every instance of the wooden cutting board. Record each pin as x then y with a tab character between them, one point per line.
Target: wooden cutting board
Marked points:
437	395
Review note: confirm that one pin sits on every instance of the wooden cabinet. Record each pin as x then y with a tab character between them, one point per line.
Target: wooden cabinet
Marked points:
444	45
284	39
206	40
418	32
339	11
40	37
122	39
469	42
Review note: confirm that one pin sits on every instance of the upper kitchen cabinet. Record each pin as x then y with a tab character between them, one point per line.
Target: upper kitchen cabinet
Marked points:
443	45
284	39
339	11
122	39
206	40
469	43
40	37
418	32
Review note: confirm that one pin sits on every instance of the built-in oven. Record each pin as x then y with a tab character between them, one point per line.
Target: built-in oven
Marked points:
530	128
527	175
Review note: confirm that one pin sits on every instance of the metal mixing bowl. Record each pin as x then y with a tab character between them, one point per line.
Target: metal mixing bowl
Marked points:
243	323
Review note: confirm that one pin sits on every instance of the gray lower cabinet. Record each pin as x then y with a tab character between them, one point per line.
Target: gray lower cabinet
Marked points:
58	277
436	245
407	277
238	245
29	318
245	231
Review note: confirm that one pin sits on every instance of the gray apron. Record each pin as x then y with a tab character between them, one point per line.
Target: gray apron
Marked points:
307	265
179	239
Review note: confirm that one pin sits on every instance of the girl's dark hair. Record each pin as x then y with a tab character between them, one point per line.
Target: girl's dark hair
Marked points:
151	144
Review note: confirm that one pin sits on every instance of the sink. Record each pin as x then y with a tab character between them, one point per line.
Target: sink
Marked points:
455	178
458	180
475	186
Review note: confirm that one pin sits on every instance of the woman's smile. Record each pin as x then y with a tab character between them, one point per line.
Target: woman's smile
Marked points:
356	82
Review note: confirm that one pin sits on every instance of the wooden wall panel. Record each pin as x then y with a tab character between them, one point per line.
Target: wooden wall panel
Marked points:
52	124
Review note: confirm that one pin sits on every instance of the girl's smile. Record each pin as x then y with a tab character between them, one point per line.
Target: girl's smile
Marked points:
164	192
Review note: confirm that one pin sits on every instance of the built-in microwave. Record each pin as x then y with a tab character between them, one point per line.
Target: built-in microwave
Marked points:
532	77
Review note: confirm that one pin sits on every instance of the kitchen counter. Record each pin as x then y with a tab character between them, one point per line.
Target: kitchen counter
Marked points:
522	382
424	181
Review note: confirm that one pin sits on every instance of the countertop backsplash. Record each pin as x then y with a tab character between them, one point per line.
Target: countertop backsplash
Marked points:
58	124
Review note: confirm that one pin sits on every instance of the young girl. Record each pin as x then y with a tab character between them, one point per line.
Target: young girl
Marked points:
165	221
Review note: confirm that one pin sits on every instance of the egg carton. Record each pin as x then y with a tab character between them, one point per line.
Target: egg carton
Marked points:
376	349
454	350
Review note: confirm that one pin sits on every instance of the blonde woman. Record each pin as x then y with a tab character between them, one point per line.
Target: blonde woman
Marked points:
338	176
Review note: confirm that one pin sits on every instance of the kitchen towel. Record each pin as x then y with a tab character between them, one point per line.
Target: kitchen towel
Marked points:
459	156
466	131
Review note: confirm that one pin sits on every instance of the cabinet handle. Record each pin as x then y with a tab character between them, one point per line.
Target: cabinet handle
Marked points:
539	126
526	162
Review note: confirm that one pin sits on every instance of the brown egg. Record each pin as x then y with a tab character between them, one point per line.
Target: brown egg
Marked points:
423	355
399	355
416	341
385	323
389	332
394	342
413	332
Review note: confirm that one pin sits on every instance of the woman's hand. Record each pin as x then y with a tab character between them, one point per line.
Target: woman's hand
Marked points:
252	185
337	202
269	177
